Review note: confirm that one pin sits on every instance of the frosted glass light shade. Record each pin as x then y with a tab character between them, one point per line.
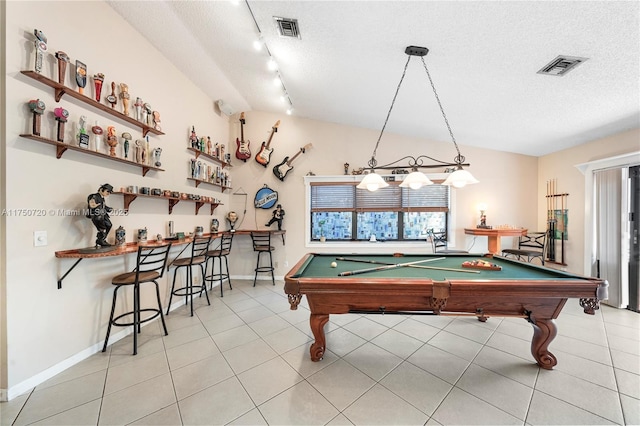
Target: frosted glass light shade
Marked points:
460	178
372	182
415	180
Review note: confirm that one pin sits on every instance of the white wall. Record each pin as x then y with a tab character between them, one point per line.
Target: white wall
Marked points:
506	183
561	166
47	328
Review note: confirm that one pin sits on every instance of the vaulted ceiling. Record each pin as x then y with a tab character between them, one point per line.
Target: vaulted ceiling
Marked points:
484	58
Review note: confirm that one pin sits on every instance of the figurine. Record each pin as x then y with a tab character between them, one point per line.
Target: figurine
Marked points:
41	47
83	137
138	106
278	215
139	149
232	218
126	136
112	140
98	79
209	145
147	152
81	76
120	236
146	114
98	212
156	157
346	168
156	121
63	59
124	95
61	117
214	225
37	108
112	99
97	131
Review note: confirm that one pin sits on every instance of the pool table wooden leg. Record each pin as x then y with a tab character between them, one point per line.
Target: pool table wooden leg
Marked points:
544	331
317	322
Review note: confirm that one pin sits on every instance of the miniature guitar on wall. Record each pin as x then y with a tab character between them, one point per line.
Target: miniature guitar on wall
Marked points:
264	155
243	152
285	167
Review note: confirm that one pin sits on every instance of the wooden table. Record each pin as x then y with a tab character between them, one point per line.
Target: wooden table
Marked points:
133	248
494	235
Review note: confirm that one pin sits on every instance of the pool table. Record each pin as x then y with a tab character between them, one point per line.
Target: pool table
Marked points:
434	284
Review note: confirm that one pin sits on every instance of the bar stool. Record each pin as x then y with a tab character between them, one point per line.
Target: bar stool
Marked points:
262	244
222	251
150	265
199	248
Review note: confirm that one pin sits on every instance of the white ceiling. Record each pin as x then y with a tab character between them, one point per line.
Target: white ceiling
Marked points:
483	58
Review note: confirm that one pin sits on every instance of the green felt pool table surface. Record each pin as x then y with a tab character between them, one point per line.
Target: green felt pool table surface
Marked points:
319	265
437	284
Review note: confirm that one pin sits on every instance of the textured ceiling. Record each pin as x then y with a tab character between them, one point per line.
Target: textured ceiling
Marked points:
483	58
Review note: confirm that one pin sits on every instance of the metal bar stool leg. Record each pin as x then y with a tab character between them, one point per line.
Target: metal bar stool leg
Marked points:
113	310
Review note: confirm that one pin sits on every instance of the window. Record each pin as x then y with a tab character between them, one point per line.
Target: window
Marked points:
342	212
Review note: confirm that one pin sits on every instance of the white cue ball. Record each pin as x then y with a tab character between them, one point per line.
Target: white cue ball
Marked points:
334	264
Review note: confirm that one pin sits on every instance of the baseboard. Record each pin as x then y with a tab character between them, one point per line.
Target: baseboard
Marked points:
32	382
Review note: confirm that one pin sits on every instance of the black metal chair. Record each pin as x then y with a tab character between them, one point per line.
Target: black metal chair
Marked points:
150	265
262	244
199	248
530	246
222	251
439	243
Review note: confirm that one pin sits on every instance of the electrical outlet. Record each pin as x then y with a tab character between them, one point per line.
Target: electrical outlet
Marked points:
286	263
39	238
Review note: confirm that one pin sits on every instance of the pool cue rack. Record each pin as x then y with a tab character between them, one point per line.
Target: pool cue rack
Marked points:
554	198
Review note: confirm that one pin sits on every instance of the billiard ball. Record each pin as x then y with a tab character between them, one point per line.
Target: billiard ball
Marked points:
334	264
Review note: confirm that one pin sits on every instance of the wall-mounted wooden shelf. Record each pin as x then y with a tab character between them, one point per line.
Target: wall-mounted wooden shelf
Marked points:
61	147
129	197
61	89
199	181
210	157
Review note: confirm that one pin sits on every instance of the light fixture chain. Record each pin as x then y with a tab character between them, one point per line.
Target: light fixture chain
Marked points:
373	162
460	158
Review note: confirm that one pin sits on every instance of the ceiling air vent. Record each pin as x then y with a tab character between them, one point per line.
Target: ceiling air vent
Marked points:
287	27
561	65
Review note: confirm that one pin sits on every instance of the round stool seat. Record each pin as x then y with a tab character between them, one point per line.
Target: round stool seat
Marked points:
129	278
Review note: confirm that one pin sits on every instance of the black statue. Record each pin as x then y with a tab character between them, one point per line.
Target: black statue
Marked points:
278	215
98	212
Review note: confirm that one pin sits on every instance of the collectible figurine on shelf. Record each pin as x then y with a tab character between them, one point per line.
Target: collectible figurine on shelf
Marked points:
63	59
156	157
37	108
278	215
346	168
41	47
146	113
98	79
214	225
124	95
97	131
120	236
83	137
138	107
232	218
156	121
209	145
126	136
112	98
193	138
61	117
81	76
112	140
98	212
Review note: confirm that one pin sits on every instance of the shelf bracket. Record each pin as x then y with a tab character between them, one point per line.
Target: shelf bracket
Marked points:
198	205
145	170
59	93
213	207
60	150
67	273
172	203
128	199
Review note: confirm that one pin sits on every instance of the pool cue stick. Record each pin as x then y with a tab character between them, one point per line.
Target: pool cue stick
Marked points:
348	259
378	268
412	266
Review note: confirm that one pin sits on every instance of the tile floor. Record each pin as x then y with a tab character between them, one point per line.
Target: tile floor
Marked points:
244	361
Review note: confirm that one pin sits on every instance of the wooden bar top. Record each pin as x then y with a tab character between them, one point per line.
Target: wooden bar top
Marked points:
133	247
